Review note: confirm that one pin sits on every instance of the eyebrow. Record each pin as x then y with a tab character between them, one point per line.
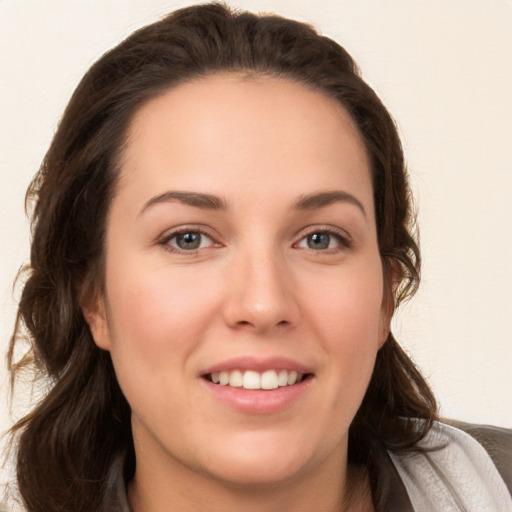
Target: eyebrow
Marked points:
196	199
212	202
321	199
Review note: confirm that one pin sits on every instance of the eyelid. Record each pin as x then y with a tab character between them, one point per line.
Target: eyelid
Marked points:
341	234
164	238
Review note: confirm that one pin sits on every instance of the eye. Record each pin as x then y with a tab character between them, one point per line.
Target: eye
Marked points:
187	241
323	241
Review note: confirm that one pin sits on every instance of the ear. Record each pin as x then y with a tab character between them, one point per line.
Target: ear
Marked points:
392	278
95	314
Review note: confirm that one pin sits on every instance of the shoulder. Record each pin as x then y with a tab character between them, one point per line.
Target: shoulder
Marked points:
454	467
496	441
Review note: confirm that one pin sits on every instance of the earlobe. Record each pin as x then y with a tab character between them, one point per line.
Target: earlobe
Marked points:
388	308
385	327
392	277
95	315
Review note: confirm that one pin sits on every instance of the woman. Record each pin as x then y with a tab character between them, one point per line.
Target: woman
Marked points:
221	231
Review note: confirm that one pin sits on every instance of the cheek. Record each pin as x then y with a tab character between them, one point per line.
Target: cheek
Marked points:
157	317
348	314
164	304
349	306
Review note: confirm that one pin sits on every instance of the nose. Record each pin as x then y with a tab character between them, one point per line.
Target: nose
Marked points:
260	293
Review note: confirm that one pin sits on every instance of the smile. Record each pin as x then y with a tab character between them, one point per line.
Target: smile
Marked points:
258	386
250	379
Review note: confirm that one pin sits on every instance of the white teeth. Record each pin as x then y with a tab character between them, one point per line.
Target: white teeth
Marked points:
236	379
251	380
282	378
292	378
270	379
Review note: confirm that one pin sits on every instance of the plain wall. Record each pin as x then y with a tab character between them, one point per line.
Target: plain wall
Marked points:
444	71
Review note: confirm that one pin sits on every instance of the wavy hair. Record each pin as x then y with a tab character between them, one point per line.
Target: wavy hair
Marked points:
76	445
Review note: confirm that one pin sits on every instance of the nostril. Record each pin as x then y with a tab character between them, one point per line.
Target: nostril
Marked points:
243	323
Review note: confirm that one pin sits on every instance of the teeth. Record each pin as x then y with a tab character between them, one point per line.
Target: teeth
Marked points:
251	380
236	379
282	378
224	378
292	378
270	379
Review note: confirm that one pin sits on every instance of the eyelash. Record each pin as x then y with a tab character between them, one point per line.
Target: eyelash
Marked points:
165	240
342	238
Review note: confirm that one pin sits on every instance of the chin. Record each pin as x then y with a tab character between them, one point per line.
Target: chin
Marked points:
256	474
262	462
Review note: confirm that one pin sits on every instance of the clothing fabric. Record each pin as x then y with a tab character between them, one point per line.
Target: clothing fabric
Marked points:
452	473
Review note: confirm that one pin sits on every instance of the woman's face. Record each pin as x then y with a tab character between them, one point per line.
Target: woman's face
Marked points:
241	247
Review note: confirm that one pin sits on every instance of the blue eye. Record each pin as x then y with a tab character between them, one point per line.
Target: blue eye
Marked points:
189	241
318	241
321	241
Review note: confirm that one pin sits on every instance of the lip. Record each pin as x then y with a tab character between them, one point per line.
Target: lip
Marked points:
258	402
247	363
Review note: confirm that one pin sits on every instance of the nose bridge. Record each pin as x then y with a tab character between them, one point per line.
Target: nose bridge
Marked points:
261	288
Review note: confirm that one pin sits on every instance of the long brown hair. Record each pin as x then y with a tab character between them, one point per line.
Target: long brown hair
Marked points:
75	447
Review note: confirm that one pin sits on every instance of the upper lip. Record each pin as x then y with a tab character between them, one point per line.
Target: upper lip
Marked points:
257	364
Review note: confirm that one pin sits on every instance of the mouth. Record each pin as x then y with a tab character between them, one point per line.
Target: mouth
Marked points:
253	380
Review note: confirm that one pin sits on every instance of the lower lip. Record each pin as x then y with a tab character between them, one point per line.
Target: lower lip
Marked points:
256	401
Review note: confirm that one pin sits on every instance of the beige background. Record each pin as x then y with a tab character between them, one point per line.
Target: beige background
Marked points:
443	69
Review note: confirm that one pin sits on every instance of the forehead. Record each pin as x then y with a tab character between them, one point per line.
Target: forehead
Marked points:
258	130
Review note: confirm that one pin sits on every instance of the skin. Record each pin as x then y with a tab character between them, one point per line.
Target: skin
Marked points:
254	287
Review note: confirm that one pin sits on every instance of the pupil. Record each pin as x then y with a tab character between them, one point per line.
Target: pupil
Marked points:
318	241
188	240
